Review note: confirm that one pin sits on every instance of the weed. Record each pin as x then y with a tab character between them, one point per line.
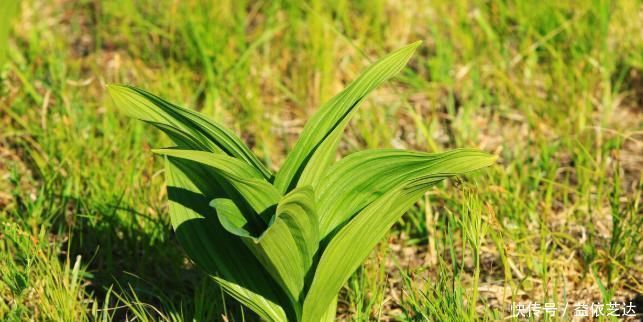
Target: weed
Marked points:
285	244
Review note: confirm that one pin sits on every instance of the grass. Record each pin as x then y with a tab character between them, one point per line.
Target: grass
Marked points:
553	88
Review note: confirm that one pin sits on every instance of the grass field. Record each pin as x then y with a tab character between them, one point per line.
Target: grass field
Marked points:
554	88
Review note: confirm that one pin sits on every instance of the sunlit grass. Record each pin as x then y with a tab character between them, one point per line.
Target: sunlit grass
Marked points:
553	88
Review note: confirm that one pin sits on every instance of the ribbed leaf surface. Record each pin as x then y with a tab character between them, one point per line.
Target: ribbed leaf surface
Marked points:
209	135
353	242
254	191
360	178
332	118
209	245
268	311
298	212
286	248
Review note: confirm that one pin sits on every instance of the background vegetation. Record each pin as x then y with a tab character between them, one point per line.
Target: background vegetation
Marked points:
554	88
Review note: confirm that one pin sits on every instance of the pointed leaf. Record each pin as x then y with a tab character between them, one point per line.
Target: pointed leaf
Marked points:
210	135
350	246
333	117
360	178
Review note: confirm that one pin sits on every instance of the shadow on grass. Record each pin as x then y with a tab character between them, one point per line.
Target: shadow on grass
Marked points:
142	262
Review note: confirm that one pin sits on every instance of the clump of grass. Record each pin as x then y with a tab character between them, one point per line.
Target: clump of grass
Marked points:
283	244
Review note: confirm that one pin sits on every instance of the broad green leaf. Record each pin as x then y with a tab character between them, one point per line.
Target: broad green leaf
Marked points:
255	192
331	312
190	188
350	246
298	212
232	218
287	247
210	135
268	311
235	169
321	160
180	138
332	118
360	178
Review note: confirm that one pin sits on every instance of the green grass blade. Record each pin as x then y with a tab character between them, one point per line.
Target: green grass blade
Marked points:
360	178
333	117
211	247
208	134
354	241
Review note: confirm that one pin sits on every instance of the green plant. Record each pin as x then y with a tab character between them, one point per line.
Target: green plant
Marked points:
284	244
